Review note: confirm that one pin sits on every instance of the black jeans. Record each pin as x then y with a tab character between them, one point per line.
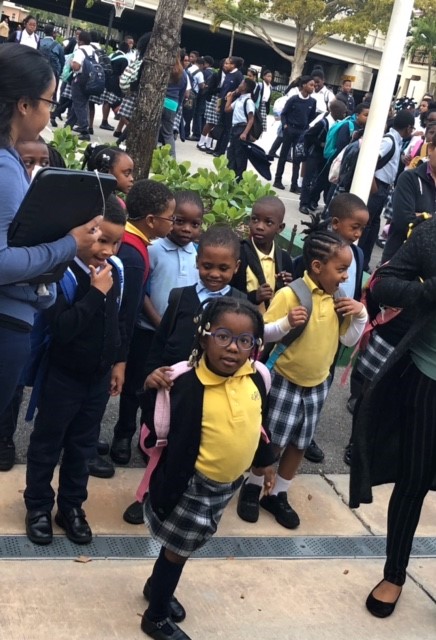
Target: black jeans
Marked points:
198	120
313	168
236	152
226	122
290	139
15	351
376	203
133	382
9	417
68	419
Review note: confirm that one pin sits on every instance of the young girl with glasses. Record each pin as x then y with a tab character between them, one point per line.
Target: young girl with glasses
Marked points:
215	432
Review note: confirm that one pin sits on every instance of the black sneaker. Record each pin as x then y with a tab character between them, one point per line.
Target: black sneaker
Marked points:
280	508
248	502
294	189
348	452
163	630
304	209
7	453
313	453
107	127
278	185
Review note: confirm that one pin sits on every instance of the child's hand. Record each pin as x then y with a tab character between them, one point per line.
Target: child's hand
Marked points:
285	276
297	317
263	293
87	234
103	279
269	480
117	378
159	379
348	306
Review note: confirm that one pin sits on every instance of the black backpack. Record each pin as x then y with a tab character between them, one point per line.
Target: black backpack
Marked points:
48	51
92	78
106	63
257	127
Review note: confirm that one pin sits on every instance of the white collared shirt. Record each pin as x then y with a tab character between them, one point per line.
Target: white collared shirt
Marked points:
30	40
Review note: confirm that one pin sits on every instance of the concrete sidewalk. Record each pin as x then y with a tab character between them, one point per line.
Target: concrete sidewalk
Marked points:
229	597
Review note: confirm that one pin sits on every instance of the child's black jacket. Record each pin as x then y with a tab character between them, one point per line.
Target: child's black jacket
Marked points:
249	258
177	463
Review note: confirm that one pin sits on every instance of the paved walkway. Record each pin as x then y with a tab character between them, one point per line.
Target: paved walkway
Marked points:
276	596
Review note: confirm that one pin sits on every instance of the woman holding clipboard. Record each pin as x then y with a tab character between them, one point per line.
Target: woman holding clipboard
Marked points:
26	90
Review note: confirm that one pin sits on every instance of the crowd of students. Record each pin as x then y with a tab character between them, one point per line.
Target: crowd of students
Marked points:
147	288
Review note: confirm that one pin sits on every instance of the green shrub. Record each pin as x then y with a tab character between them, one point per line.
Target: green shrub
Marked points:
69	146
225	200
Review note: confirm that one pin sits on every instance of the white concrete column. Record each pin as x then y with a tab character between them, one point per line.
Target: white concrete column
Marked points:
381	99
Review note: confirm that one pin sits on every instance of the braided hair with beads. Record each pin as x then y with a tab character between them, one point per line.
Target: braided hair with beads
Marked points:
320	242
211	310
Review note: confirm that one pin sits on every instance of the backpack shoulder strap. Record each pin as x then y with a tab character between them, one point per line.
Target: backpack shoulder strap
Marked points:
278	258
390	154
174	303
68	284
253	261
138	244
116	262
304	295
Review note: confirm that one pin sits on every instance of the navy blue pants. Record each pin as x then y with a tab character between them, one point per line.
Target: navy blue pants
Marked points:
237	152
14	353
68	419
79	113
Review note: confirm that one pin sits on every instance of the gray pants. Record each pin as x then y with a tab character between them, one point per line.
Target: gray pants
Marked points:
79	112
166	129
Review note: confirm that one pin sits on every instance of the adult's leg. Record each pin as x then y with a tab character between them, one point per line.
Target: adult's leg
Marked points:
166	129
222	143
9	417
275	146
81	107
15	351
376	202
310	175
286	145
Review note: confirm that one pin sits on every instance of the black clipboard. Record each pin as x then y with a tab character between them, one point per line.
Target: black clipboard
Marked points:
57	201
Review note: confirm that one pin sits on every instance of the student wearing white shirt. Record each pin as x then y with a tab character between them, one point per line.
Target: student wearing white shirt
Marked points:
322	94
27	36
242	120
80	107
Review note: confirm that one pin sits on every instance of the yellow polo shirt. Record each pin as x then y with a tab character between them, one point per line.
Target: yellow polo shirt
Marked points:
136	232
307	361
232	418
267	262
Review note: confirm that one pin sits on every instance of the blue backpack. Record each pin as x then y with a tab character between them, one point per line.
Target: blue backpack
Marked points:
40	337
330	148
92	78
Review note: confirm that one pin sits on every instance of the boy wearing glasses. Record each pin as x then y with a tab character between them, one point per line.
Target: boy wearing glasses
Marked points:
150	207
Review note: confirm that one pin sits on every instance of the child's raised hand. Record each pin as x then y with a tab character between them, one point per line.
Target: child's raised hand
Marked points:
263	293
297	316
348	306
285	276
103	279
159	379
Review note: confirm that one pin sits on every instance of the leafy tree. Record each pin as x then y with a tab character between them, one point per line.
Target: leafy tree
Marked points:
315	20
423	41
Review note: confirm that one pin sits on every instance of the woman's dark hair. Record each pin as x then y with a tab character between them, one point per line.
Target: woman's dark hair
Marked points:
114	212
176	72
190	197
142	44
101	157
219	235
28	19
24	73
265	72
304	80
254	72
320	243
210	312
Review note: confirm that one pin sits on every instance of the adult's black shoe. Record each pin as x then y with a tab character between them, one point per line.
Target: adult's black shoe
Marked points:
75	524
103	448
85	136
378	608
7	453
134	514
313	206
100	468
121	450
314	453
348	452
194	138
107	127
278	185
304	210
163	630
38	527
177	610
294	189
209	151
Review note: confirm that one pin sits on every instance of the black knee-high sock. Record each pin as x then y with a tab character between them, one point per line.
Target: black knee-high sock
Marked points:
164	580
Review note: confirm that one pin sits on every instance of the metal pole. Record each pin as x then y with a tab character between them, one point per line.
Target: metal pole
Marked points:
381	100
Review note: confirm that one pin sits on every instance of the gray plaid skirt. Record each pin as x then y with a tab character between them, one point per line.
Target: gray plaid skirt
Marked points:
128	106
376	353
263	115
294	411
67	92
95	99
196	516
211	115
178	119
110	98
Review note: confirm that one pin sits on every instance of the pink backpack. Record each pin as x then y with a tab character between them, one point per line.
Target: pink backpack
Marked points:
162	413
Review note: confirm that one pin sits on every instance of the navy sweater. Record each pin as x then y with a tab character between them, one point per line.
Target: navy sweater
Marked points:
298	112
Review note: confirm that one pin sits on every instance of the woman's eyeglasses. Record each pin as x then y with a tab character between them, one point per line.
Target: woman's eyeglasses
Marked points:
224	338
53	104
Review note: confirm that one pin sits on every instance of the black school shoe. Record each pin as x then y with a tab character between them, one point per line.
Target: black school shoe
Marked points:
248	502
164	630
378	608
348	452
7	453
100	468
134	514
314	453
121	450
177	610
38	527
280	508
75	524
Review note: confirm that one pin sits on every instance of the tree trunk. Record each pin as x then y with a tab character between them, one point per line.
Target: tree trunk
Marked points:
302	48
70	17
429	71
159	60
232	41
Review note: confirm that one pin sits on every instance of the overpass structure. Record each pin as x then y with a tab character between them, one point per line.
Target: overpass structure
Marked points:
338	58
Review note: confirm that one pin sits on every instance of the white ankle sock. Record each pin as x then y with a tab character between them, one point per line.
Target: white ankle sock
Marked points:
202	140
280	485
209	142
253	479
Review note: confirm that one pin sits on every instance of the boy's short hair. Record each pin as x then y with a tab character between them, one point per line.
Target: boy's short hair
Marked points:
345	205
271	201
147	197
190	197
250	85
114	211
220	235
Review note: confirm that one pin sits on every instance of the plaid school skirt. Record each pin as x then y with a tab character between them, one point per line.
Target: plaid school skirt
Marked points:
294	411
211	114
263	115
128	106
67	92
110	98
376	353
196	516
178	119
95	99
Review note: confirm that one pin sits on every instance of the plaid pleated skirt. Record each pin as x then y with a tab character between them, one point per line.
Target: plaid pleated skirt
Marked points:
294	411
110	98
195	518
96	99
178	119
67	92
128	106
211	114
263	115
376	353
